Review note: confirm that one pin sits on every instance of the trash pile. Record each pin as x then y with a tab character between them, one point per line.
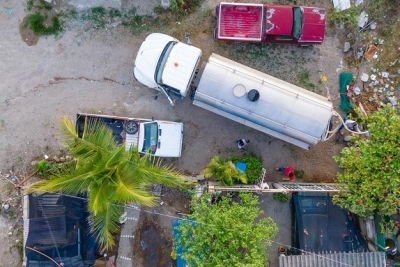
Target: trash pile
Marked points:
374	86
378	89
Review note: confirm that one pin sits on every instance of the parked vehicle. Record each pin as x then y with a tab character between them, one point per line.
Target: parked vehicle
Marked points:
289	24
160	138
234	91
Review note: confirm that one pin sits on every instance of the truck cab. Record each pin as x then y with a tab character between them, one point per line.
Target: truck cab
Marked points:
166	64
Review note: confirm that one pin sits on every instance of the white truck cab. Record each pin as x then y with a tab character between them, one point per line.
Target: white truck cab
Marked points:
166	64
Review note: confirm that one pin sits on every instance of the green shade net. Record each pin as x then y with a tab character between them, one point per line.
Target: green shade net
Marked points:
344	79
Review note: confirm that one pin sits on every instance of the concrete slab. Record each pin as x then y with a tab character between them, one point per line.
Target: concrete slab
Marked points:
125	249
281	214
80	5
142	7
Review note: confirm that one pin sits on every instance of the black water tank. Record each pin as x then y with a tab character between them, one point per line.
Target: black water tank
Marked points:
253	95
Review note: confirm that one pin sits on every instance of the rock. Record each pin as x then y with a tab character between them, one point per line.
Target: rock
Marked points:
5	206
346	47
33	163
373	26
10	233
56	159
62	159
364	77
45	156
10	228
67	158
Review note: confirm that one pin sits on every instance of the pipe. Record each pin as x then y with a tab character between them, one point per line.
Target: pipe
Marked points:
37	251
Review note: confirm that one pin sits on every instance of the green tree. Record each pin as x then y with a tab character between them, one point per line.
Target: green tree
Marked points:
372	167
108	175
226	233
224	171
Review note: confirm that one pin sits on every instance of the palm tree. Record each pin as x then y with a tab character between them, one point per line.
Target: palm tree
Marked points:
108	175
224	171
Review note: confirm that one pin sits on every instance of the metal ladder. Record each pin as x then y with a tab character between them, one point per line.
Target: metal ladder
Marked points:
278	187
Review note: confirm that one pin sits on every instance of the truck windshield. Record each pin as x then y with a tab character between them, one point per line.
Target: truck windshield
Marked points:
161	62
150	137
296	22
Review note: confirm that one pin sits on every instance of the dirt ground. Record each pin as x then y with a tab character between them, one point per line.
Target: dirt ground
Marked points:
90	70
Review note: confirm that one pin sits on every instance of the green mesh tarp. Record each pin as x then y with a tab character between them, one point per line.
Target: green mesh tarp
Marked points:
344	79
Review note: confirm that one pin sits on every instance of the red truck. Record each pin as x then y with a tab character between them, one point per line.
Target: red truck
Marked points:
278	24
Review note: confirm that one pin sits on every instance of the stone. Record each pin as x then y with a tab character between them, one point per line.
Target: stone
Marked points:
373	26
364	77
346	47
33	163
6	206
62	159
56	159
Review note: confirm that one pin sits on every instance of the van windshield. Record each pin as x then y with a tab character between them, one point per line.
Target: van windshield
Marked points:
296	22
150	137
161	62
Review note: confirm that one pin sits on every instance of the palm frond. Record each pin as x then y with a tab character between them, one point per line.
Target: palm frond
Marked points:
105	224
70	184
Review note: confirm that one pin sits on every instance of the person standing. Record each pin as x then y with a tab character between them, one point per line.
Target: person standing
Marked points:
242	143
350	124
288	172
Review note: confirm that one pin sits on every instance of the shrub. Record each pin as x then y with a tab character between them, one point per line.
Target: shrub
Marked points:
253	169
224	171
299	174
281	197
42	167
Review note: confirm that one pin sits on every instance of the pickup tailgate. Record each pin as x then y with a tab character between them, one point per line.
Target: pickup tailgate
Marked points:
241	22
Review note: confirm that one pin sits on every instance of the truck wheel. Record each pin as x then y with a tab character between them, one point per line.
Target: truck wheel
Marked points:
131	127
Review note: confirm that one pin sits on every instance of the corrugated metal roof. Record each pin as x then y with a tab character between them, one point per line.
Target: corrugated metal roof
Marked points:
363	259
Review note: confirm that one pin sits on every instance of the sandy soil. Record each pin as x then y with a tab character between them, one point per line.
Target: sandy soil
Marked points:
88	70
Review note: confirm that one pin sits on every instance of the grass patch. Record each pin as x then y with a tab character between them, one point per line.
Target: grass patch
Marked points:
42	25
303	80
348	17
43	21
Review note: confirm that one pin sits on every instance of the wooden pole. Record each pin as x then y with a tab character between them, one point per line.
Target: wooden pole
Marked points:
25	179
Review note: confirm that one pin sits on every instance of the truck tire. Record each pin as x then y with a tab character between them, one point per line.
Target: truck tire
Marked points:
131	127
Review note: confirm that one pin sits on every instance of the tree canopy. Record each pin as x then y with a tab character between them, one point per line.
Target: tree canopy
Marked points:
372	167
226	233
108	175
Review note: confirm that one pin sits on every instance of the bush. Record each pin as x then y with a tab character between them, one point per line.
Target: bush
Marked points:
299	174
253	169
224	171
281	197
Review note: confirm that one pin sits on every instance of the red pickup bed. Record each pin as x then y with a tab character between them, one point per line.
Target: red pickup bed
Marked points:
269	24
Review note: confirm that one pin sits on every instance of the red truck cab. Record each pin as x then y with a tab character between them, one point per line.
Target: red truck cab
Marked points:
269	23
